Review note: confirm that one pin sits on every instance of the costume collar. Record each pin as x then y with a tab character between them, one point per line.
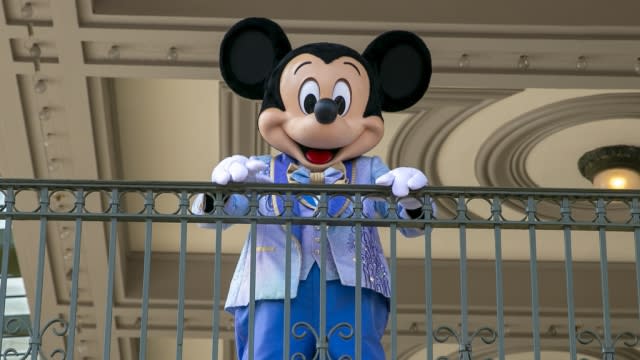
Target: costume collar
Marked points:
283	162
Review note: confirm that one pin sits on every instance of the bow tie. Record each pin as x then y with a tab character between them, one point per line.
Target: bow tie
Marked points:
302	175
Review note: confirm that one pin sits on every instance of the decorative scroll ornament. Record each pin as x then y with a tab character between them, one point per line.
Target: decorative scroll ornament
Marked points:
300	330
15	325
608	346
443	333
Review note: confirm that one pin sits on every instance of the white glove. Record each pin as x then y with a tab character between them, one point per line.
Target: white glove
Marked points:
402	180
197	207
238	168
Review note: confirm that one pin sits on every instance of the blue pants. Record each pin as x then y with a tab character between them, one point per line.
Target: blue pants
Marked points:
340	307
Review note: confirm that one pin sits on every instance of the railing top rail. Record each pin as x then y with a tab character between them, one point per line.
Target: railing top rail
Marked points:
192	186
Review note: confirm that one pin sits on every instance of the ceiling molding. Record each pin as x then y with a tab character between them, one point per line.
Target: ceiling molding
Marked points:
501	160
408	11
502	156
434	118
493	50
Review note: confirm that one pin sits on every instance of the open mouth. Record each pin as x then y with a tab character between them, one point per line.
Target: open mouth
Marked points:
318	156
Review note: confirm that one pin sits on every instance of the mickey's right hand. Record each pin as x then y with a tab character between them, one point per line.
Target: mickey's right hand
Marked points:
238	168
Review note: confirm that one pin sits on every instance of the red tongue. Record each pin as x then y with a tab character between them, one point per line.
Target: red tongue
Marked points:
319	156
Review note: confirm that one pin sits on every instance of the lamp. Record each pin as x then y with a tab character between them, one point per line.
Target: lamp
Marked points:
612	167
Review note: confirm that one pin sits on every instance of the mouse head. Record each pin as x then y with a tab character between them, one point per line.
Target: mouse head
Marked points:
322	103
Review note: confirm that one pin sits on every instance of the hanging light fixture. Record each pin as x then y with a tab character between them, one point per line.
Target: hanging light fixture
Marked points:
612	167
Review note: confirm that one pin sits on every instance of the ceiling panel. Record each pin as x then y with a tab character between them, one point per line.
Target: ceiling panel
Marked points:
547	12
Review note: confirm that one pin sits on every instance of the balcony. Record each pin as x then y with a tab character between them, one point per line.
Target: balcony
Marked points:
498	273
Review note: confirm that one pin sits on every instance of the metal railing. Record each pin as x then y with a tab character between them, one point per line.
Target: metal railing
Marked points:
502	214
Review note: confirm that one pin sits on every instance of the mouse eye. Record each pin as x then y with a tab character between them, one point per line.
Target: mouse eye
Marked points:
308	97
342	96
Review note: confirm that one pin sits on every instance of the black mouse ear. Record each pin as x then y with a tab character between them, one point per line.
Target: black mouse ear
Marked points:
249	52
403	64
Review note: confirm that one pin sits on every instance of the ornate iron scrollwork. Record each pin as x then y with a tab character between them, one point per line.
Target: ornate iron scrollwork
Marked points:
15	325
608	346
300	330
443	333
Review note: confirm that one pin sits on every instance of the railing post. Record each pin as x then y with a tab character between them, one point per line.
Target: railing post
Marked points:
604	276
75	277
287	331
496	214
533	262
358	289
146	275
9	202
253	211
182	270
565	211
218	210
114	204
464	321
635	220
428	280
219	199
36	337
393	269
322	344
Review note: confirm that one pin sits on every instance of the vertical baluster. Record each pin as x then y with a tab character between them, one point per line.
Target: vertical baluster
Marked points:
253	206
394	266
114	204
496	210
286	331
218	205
604	277
35	335
6	242
148	209
428	280
73	309
635	216
358	290
182	269
322	327
565	211
533	268
464	321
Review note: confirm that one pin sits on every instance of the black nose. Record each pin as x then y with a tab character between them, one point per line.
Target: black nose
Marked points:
326	111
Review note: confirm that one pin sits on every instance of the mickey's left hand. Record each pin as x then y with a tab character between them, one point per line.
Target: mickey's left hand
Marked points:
402	180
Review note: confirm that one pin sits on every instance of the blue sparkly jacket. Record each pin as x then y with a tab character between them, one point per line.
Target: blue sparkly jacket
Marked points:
270	255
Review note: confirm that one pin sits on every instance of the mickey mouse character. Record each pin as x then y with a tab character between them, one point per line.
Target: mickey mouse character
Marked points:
322	108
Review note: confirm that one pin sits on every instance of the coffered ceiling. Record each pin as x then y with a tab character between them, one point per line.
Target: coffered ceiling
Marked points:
130	89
